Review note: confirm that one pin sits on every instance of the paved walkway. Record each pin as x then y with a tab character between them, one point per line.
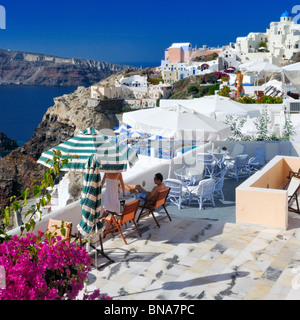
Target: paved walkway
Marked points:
192	258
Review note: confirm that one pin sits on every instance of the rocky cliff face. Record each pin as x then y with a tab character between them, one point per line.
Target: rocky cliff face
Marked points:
40	69
6	144
67	117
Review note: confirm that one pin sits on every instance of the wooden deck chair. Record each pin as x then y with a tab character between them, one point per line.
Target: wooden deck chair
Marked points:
116	221
293	173
56	226
147	209
293	189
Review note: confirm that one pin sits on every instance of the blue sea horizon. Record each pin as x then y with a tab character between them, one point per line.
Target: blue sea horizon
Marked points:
142	64
23	107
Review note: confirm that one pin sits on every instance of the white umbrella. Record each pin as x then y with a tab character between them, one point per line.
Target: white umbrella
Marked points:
177	122
216	107
259	66
292	71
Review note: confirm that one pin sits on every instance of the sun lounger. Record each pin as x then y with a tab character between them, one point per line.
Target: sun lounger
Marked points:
269	89
293	189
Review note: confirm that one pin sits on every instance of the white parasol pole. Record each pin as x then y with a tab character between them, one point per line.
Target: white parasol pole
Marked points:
283	82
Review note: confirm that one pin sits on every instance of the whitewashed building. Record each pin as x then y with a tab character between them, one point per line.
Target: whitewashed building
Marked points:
229	58
172	72
282	40
135	92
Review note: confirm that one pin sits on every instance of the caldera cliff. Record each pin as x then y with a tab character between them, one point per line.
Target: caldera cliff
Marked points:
25	68
68	116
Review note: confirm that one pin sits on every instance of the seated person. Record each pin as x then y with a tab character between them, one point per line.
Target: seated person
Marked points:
235	91
147	197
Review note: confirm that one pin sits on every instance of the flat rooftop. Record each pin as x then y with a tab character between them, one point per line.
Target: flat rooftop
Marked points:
202	255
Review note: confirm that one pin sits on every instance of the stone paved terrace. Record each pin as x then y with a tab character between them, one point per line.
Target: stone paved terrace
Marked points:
202	256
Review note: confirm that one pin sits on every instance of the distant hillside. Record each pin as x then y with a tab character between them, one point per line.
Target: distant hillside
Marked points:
41	69
194	87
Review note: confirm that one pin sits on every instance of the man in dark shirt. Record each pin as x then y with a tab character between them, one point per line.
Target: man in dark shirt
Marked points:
149	196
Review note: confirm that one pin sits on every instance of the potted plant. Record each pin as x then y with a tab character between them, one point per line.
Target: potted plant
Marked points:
225	80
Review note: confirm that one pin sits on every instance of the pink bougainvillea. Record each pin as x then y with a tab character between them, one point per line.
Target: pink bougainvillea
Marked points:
38	269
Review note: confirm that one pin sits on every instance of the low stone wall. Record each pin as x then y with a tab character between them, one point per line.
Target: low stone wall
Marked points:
259	200
110	106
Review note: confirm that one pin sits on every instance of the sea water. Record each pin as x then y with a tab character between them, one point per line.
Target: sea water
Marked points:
22	108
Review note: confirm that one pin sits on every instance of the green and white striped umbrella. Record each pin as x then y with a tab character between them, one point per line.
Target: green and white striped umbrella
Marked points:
112	156
115	157
90	223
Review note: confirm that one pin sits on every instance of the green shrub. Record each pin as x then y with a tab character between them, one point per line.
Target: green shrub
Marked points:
192	89
211	78
213	88
178	95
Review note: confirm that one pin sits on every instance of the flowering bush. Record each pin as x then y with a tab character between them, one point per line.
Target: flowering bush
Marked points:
225	91
247	99
225	79
213	77
263	99
40	269
269	99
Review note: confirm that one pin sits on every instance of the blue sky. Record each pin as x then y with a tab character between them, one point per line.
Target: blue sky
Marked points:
130	31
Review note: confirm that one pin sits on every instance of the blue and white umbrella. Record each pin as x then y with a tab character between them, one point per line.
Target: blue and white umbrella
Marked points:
136	134
155	137
122	128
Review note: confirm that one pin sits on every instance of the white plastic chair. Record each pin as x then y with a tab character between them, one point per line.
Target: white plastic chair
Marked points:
238	149
219	183
209	163
188	176
239	167
257	160
204	192
175	194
